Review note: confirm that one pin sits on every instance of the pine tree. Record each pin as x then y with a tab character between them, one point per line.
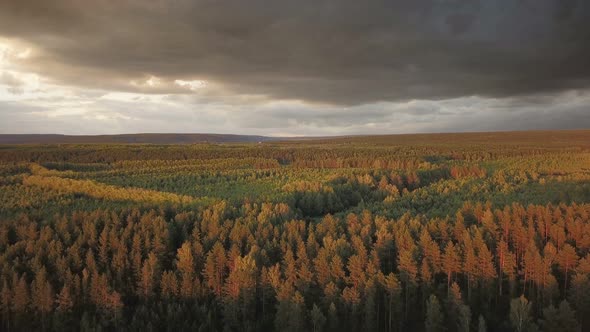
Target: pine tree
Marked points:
337	269
561	319
240	292
64	300
149	274
520	314
322	268
408	272
485	265
64	308
579	296
296	316
459	226
352	299
21	297
567	259
451	262
458	314
464	321
6	303
431	250
169	285
392	288
370	301
215	269
185	264
434	316
470	263
356	271
103	241
304	272
333	317
318	319
481	325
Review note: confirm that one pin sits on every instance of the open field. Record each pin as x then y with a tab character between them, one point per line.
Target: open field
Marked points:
333	234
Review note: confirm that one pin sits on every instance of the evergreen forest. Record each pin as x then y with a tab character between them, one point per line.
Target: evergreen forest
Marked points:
433	232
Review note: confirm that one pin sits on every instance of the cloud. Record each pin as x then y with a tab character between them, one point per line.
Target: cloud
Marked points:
338	52
12	82
293	68
116	113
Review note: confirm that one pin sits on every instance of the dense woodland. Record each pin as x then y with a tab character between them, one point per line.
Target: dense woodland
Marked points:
457	232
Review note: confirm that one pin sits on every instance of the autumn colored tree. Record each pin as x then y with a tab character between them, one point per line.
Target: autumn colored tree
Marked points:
20	298
43	296
408	273
567	259
149	276
213	237
392	287
451	262
185	263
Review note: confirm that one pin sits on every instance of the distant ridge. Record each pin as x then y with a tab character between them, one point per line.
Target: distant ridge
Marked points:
579	137
130	138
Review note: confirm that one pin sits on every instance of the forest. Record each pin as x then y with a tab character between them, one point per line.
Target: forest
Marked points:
434	232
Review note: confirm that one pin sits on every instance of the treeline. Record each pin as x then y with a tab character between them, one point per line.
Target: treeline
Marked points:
331	155
254	267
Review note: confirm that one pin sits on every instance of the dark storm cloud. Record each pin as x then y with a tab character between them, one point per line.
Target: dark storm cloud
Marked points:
335	51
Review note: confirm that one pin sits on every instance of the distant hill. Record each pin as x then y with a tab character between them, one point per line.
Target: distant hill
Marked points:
129	138
563	138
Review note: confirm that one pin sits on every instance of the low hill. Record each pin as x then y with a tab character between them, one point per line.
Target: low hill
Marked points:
564	138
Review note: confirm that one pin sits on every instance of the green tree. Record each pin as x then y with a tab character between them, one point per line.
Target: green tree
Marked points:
561	319
370	319
481	324
318	319
434	315
333	317
464	321
579	296
458	314
520	314
5	302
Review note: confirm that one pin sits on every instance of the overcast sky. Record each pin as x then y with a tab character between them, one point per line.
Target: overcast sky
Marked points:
293	67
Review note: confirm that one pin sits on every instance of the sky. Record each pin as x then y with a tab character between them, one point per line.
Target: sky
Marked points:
293	68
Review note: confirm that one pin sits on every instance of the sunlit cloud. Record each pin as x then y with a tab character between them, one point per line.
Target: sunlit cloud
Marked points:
191	85
150	82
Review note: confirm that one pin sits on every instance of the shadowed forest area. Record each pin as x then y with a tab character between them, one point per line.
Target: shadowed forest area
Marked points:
437	232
